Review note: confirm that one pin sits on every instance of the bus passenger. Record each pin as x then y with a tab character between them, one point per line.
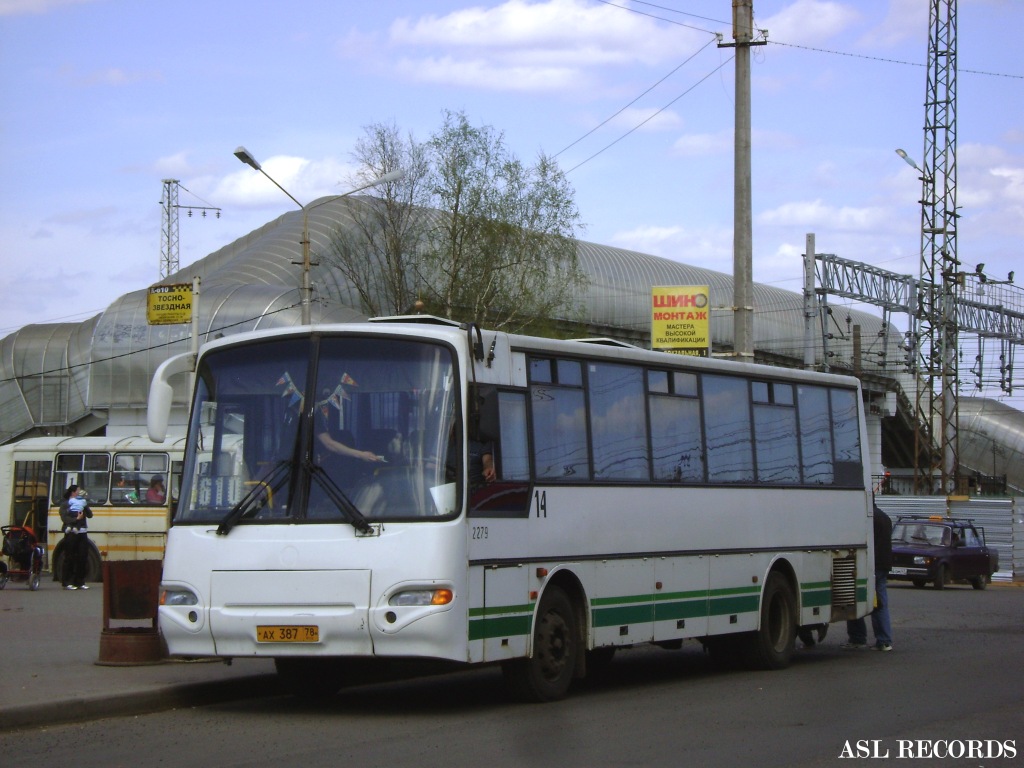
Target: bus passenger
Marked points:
481	464
156	492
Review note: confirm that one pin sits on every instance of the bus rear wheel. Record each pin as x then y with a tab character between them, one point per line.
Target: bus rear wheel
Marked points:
548	673
771	646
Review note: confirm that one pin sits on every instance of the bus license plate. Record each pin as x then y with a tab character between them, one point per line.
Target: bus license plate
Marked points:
306	633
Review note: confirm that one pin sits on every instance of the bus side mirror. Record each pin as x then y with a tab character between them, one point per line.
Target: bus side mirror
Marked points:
484	421
161	394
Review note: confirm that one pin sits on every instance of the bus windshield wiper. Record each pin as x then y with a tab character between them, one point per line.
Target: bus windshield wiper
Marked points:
341	501
248	505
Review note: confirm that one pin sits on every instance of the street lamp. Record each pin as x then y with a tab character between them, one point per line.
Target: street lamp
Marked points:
906	158
246	157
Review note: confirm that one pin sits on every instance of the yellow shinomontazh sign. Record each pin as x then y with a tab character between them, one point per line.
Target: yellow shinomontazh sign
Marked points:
680	319
169	304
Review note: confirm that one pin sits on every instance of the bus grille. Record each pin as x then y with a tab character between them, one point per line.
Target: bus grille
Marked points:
844	582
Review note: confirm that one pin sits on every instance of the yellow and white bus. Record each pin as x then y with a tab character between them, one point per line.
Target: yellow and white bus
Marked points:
637	497
128	523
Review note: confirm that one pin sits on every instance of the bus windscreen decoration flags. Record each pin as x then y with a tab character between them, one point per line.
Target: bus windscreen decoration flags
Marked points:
680	319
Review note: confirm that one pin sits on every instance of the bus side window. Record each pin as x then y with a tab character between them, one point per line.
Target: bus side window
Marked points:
513	459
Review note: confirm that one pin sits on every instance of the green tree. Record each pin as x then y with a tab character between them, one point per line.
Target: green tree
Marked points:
470	231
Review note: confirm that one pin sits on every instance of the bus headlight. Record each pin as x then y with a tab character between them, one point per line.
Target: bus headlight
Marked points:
422	597
178	596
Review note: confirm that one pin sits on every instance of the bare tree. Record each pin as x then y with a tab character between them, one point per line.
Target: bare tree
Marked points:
470	231
376	252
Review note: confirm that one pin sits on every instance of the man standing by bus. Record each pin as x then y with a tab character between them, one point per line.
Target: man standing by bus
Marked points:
881	622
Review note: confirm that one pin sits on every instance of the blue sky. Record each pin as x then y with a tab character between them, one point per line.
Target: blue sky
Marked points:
103	99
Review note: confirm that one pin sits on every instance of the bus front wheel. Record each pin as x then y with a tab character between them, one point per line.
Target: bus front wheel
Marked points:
772	645
548	673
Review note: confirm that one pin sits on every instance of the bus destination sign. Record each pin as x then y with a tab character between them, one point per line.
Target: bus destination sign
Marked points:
169	304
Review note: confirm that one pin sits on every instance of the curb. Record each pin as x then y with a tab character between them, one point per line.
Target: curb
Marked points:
84	709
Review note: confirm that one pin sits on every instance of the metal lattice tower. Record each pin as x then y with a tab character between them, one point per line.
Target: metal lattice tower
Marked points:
937	396
169	229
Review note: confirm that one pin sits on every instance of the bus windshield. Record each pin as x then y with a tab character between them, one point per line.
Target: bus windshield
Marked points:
327	429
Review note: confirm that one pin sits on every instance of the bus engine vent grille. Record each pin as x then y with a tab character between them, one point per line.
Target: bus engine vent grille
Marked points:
844	581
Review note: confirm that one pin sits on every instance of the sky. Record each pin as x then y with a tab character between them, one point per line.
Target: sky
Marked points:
104	99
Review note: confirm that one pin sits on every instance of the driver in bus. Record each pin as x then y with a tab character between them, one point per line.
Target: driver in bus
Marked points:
339	446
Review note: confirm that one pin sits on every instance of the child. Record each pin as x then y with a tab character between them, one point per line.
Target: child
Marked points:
78	509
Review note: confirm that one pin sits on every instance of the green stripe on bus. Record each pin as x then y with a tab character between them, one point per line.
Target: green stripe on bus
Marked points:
633	614
737	604
510	620
500	610
505	626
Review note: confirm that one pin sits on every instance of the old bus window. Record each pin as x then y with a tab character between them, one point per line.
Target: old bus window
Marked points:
540	371
570	373
617	423
730	453
513	453
87	470
815	435
559	424
676	437
684	384
775	433
846	433
559	433
657	381
135	474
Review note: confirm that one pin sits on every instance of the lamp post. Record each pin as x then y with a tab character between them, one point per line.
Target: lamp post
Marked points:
246	157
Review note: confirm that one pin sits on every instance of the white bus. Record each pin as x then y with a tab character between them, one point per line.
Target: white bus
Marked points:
116	472
639	497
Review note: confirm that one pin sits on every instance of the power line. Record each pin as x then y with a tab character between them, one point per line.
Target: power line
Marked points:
634	101
661	18
887	61
650	117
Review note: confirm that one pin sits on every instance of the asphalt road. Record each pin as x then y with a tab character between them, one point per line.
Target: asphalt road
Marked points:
955	674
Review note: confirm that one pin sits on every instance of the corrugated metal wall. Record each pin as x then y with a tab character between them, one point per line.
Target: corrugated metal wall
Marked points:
1002	519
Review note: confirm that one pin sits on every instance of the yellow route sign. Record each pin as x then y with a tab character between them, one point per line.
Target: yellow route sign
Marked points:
169	304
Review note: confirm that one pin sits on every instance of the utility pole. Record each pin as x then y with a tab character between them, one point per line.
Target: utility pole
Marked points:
937	401
169	230
743	280
169	226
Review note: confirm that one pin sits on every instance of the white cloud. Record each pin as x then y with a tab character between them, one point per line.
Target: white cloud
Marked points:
173	165
24	7
905	19
816	214
306	180
711	248
482	73
808	22
110	76
520	45
651	119
701	144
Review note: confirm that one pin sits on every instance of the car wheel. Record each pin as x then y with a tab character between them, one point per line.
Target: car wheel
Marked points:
941	578
979	582
919	583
